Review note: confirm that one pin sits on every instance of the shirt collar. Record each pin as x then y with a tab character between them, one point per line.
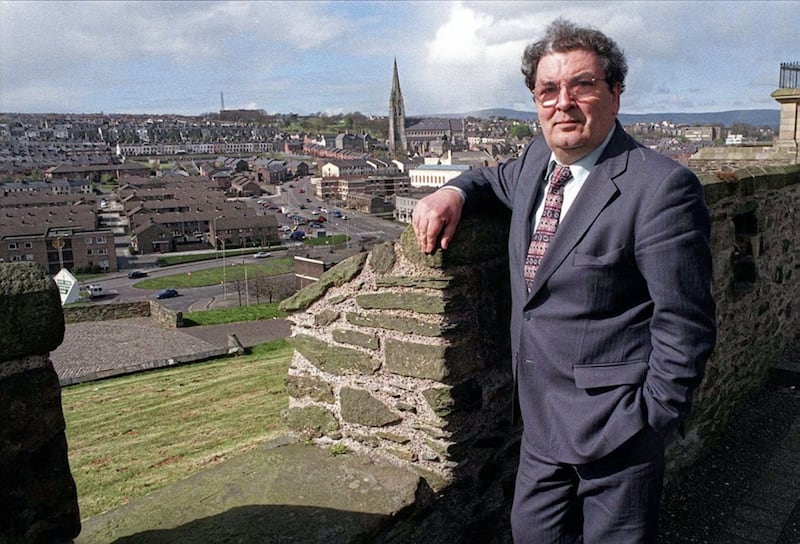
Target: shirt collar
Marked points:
580	169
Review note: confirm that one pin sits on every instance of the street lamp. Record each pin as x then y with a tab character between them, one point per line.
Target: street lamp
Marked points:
217	237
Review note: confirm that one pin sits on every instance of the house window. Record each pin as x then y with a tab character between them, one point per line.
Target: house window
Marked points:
15	258
28	256
102	251
101	240
13	245
89	252
28	245
88	241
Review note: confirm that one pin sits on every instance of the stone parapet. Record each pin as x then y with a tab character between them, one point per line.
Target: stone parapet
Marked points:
38	498
161	315
404	356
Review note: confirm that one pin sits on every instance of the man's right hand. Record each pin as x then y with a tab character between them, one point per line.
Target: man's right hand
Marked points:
437	214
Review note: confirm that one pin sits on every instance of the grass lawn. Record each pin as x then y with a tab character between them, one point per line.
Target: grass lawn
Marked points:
233	315
234	270
131	435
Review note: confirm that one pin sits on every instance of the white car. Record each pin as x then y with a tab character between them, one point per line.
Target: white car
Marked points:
262	255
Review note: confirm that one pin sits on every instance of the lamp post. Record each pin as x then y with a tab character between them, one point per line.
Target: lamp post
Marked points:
217	237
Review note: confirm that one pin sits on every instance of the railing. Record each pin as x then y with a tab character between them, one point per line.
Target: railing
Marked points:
790	75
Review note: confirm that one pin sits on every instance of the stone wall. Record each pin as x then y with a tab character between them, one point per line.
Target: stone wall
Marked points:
161	315
755	226
404	356
38	498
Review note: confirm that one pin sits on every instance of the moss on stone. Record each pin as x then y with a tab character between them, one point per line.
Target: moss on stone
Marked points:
396	323
311	387
383	258
429	282
31	318
326	317
347	336
361	407
336	276
334	359
416	302
416	360
311	421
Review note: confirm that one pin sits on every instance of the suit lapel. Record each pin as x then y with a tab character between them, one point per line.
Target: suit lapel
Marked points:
597	191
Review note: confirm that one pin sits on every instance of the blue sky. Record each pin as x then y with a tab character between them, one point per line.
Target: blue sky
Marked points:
336	56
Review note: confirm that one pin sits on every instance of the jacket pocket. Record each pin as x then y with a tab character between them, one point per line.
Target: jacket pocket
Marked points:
589	376
606	259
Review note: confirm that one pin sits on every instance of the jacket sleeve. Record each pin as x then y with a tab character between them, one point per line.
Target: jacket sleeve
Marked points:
481	185
674	256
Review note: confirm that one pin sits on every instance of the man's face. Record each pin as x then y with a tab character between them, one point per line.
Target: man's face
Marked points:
575	125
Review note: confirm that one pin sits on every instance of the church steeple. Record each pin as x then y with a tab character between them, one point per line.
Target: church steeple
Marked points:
397	117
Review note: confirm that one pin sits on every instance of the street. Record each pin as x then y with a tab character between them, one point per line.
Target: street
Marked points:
361	231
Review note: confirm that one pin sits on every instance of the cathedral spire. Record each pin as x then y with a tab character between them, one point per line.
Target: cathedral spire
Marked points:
397	117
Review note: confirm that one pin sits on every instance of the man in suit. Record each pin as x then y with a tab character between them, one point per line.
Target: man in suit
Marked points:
612	326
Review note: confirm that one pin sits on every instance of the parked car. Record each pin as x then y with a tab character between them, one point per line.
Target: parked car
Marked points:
167	293
262	255
297	235
137	274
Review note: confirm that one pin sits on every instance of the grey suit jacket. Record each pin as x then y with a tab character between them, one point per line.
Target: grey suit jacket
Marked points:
616	331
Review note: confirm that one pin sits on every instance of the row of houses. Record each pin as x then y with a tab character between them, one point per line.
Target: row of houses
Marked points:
65	236
181	214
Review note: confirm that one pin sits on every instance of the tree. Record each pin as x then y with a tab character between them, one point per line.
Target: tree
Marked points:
520	131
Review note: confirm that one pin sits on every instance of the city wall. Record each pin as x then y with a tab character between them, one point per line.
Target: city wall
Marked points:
161	315
403	357
38	498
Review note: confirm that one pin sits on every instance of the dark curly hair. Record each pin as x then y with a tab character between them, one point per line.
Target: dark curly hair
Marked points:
563	36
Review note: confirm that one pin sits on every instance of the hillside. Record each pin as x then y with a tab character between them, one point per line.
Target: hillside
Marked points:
764	117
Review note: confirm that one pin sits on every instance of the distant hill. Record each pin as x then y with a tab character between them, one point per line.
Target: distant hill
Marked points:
770	118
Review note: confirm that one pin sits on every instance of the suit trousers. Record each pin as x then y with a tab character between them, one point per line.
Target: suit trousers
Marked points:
615	499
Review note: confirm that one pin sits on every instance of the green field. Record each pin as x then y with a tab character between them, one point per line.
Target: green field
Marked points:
131	435
234	271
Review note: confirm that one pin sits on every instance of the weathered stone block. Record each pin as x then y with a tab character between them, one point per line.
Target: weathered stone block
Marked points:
393	437
383	258
416	302
415	283
479	238
360	406
464	396
347	336
336	276
31	319
311	421
416	360
334	359
326	317
405	325
309	386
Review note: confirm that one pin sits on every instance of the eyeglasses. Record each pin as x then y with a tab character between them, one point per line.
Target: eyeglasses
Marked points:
578	88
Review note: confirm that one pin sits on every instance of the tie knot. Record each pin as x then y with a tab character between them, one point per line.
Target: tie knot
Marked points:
561	175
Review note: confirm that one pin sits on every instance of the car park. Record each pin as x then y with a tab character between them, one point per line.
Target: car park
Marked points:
167	293
137	274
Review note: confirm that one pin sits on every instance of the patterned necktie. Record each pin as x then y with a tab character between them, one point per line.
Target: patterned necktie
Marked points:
546	229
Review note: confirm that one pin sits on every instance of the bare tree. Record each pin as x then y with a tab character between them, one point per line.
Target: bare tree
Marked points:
277	287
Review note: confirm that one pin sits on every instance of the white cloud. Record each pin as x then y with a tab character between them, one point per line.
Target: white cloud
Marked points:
317	56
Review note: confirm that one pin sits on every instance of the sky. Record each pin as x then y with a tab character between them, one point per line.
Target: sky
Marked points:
334	57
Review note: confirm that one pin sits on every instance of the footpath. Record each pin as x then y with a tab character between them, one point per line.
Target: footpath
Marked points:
746	490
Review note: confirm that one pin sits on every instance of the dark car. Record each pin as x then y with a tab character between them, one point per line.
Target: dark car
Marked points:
167	293
137	274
